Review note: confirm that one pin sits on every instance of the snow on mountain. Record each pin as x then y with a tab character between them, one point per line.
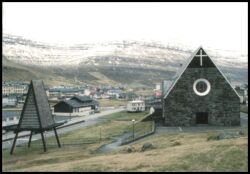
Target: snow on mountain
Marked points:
120	53
116	57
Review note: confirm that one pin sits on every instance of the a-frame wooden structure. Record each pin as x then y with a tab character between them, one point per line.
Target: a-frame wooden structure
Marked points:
36	115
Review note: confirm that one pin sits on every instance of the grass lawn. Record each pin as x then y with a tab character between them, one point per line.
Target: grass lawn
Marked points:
112	102
171	152
112	126
126	116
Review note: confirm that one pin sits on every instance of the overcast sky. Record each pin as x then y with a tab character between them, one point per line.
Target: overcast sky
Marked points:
216	25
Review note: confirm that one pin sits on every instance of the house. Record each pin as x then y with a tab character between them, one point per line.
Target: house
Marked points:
241	94
201	94
10	101
87	92
77	104
65	92
136	106
114	93
130	96
152	101
98	95
10	117
9	88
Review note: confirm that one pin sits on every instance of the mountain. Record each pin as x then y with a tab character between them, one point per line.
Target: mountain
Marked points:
134	63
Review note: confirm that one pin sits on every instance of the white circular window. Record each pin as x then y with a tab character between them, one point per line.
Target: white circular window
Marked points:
201	87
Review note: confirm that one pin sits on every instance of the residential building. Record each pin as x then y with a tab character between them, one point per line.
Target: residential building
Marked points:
10	101
77	104
14	88
136	106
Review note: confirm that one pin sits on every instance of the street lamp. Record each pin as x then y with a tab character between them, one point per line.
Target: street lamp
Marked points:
133	129
100	133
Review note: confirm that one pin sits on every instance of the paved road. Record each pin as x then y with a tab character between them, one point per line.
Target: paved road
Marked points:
88	120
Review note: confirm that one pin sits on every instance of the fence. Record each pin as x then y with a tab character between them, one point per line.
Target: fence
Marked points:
69	142
132	138
96	135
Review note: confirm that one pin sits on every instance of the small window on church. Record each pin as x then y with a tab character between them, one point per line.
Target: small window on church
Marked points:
201	87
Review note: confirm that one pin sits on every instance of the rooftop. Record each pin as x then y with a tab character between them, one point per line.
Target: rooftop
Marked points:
136	101
65	90
80	101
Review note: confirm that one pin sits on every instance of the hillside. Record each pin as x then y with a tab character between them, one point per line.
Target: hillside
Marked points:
131	63
180	151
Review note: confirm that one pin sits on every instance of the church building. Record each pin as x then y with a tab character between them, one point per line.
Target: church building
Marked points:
201	94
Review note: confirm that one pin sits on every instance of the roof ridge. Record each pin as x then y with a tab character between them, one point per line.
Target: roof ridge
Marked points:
189	60
181	70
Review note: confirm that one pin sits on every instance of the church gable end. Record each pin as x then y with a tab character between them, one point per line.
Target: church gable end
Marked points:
201	95
201	60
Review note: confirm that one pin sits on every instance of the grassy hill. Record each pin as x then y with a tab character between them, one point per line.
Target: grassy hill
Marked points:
133	77
16	72
170	152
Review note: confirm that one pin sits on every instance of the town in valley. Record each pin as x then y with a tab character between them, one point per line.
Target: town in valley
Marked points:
124	87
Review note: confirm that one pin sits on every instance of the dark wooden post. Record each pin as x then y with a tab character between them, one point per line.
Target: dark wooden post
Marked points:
30	138
14	143
57	139
133	129
100	134
44	143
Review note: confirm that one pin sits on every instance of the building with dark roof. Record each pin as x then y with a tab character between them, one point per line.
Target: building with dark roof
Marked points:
77	104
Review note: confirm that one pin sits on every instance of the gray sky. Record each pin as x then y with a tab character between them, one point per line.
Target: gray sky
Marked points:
216	25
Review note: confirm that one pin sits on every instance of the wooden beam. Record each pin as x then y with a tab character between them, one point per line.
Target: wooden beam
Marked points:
39	120
14	143
57	138
30	138
20	120
44	143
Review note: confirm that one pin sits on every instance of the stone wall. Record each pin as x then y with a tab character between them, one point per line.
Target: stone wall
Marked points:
222	104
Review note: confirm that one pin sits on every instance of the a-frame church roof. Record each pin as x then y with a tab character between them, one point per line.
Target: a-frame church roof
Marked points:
36	113
198	59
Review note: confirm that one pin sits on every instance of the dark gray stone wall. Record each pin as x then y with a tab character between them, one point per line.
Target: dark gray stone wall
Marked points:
222	104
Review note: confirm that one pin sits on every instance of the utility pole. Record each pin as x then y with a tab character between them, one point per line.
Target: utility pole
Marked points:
100	134
133	129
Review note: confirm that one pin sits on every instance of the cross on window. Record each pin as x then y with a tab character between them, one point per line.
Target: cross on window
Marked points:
201	55
201	86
